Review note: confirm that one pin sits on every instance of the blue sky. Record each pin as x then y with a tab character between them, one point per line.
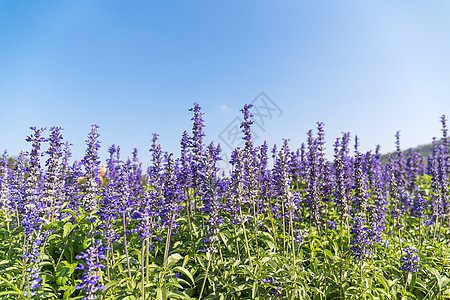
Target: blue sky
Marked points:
136	67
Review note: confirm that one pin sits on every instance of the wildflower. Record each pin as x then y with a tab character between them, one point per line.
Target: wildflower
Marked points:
300	237
90	279
53	184
32	206
197	144
91	162
312	180
154	171
34	256
332	225
376	224
359	242
4	185
246	127
410	261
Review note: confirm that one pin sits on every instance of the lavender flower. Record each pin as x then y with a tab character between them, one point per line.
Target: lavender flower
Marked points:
410	261
91	164
72	190
282	179
154	171
185	160
332	225
17	187
300	235
237	184
420	206
53	184
246	127
211	191
433	171
90	280
359	241
145	214
361	196
4	186
197	145
313	166
170	191
342	175
32	208
377	220
33	259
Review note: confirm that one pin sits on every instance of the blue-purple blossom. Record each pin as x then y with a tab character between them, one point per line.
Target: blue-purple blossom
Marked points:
90	280
91	164
5	205
359	238
33	258
32	208
410	261
53	185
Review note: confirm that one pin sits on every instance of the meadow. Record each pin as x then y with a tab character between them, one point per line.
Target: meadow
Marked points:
306	228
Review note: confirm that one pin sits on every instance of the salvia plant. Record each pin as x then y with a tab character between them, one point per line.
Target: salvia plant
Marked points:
299	226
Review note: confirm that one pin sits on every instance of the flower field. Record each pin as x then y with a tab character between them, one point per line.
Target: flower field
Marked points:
306	228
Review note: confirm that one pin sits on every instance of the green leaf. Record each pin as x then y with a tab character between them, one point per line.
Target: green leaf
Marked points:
413	281
445	281
64	271
8	293
161	293
176	284
110	285
19	292
185	272
67	229
68	293
173	259
178	295
254	289
438	277
74	215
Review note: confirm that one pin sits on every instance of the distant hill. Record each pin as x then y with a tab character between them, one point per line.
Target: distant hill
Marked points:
423	150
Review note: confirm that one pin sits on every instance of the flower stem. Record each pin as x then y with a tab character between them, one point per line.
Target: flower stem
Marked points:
125	243
166	250
143	268
206	275
246	240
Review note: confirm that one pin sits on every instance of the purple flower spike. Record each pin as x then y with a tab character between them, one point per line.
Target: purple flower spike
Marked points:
410	261
91	164
90	279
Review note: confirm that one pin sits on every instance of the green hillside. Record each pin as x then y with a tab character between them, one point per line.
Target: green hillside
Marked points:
423	150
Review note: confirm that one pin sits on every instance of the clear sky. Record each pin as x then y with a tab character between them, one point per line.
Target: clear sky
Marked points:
136	67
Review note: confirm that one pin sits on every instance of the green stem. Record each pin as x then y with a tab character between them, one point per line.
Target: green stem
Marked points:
292	236
206	275
166	250
284	230
246	240
361	274
25	245
237	243
107	265
272	221
125	243
143	268
147	251
65	246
